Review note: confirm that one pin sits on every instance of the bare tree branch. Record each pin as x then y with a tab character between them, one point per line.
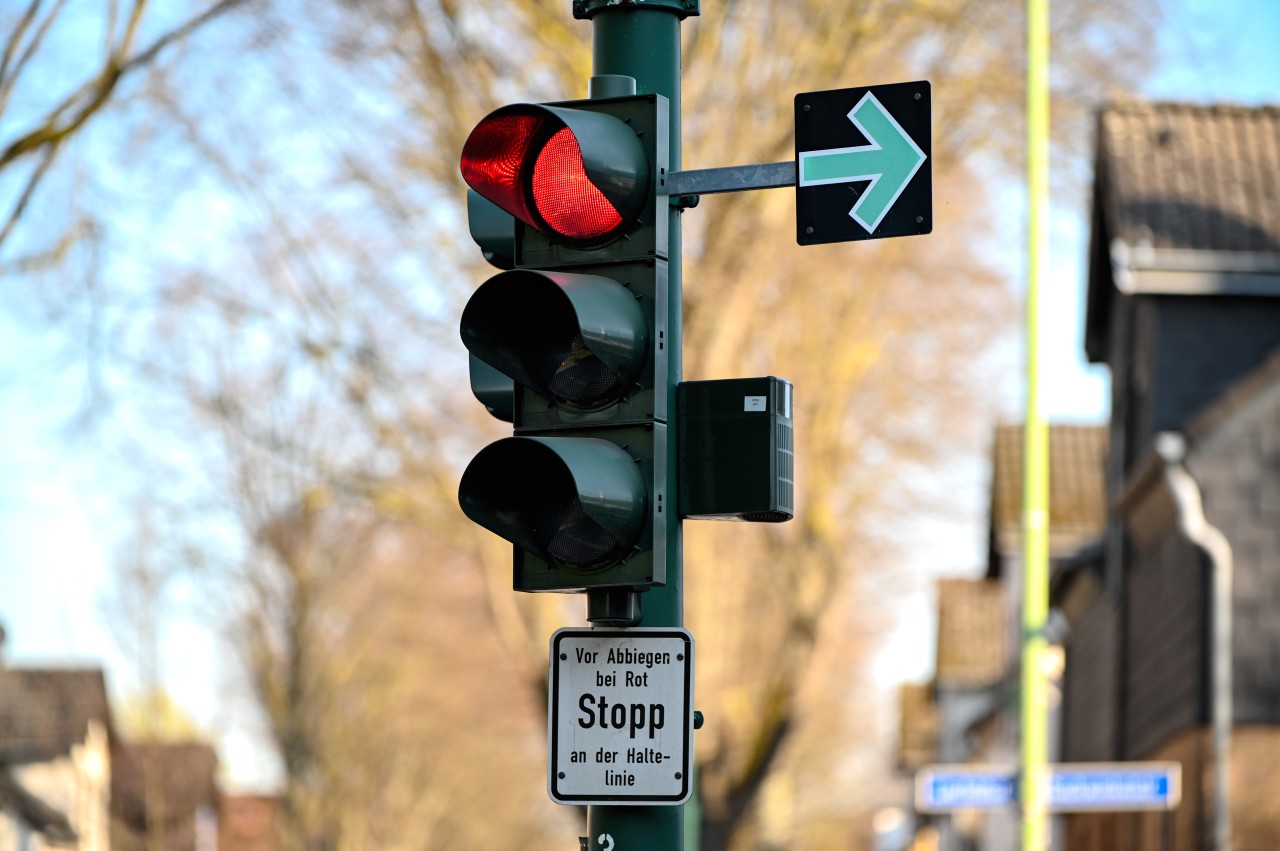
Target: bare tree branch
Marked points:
66	118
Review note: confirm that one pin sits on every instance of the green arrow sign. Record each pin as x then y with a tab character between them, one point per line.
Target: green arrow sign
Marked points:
889	160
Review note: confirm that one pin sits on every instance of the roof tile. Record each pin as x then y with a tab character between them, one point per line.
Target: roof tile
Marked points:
971	632
1077	489
183	773
1182	176
918	735
43	712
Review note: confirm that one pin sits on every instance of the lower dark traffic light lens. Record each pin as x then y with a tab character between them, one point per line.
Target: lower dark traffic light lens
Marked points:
581	503
574	538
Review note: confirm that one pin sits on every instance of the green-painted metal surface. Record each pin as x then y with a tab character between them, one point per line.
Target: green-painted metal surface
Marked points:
681	8
493	230
492	389
642	40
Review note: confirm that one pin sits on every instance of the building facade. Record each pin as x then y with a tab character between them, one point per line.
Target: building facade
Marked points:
1184	309
55	760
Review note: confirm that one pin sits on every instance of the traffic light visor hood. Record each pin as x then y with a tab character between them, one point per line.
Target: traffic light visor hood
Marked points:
579	177
578	502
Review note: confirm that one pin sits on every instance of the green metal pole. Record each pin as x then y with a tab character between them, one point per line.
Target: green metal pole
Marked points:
643	42
1035	520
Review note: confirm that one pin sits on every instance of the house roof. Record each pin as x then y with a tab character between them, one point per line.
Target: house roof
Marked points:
183	774
249	822
34	812
971	633
1186	200
1077	491
918	733
1180	176
43	712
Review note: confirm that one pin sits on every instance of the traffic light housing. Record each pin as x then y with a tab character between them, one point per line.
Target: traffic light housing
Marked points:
578	325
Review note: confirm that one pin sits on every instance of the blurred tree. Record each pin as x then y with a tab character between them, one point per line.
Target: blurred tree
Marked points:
45	104
150	724
283	286
154	716
400	720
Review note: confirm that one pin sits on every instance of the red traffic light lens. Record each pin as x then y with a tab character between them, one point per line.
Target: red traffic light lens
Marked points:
495	155
563	194
578	176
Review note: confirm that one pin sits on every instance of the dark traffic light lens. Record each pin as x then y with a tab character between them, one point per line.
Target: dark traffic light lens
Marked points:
576	376
564	195
574	538
580	502
578	341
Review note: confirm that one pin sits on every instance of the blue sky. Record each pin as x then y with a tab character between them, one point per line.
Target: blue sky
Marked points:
56	513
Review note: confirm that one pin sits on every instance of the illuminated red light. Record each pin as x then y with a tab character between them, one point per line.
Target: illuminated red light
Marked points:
530	164
564	195
495	154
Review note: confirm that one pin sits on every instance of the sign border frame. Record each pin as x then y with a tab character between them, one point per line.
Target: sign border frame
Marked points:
553	717
808	198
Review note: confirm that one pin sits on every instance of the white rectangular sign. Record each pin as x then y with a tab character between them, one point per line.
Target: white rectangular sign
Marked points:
620	707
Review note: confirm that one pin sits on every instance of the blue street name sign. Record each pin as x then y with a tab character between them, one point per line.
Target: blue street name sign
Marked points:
1115	786
943	788
1073	787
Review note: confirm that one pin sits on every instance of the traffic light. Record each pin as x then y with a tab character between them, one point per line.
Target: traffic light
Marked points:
577	323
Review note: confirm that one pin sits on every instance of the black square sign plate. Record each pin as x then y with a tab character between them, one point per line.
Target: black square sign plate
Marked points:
863	163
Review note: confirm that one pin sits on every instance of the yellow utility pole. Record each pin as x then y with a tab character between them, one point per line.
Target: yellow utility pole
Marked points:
1035	516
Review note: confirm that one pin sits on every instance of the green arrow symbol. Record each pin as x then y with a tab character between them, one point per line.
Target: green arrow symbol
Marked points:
889	161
